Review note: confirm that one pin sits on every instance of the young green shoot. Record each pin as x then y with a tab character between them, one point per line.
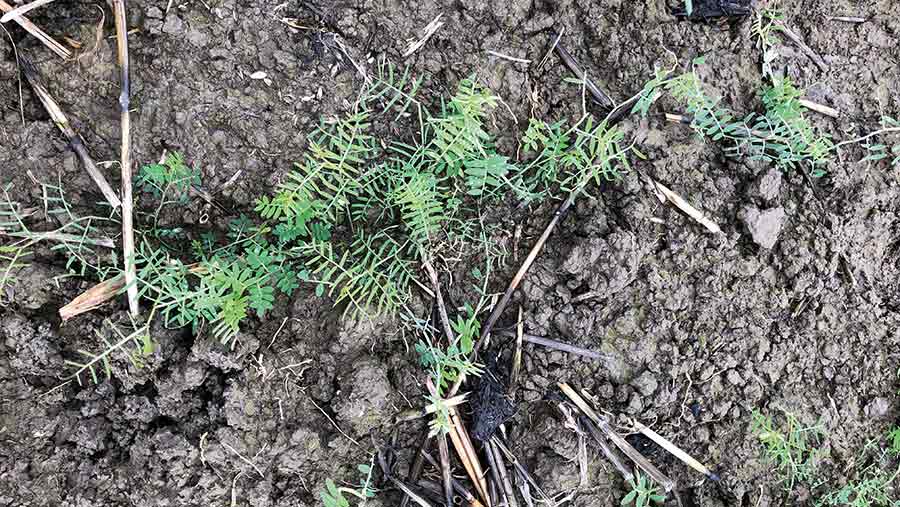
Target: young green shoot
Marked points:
643	493
791	451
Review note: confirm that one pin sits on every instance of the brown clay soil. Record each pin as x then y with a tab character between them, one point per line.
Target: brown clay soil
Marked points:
700	329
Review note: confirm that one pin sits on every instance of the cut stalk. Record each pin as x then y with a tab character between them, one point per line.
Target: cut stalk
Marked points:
600	96
676	451
444	452
127	198
466	451
22	9
415	470
457	486
798	41
62	122
39	34
517	355
517	279
611	454
635	456
556	345
93	298
496	459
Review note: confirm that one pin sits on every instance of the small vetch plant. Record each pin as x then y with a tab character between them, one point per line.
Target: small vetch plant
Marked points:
135	346
172	176
781	135
333	496
643	493
447	365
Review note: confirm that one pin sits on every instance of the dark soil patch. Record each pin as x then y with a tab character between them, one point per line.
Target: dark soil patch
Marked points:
701	330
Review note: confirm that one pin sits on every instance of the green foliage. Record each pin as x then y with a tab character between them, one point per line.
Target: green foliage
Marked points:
550	142
781	135
220	290
791	452
789	137
79	239
643	493
333	496
172	176
873	488
392	89
459	134
595	155
486	176
320	188
135	347
421	204
880	150
371	275
893	437
763	29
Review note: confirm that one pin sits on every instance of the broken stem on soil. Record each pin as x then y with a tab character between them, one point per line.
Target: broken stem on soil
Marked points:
676	451
599	95
555	345
127	198
517	355
457	486
808	51
62	122
418	464
22	9
635	456
498	466
34	30
516	280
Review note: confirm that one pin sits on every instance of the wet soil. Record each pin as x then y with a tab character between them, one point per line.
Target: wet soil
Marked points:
700	330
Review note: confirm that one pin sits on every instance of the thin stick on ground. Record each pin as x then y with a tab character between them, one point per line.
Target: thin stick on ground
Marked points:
447	479
467	454
41	35
675	451
127	198
496	459
663	193
820	108
348	437
808	51
62	122
242	458
22	9
599	95
507	57
457	486
556	345
520	468
418	464
632	453
18	75
401	485
611	454
848	19
514	283
442	307
427	32
517	355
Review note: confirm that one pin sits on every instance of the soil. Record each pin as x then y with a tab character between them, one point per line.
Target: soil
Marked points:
795	307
